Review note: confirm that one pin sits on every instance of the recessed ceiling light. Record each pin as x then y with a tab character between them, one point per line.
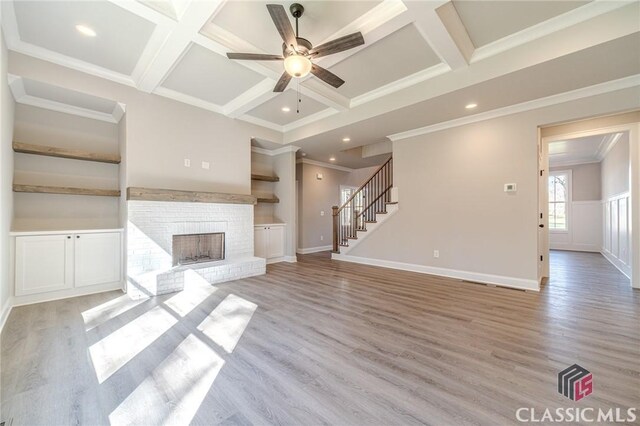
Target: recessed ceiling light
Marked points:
286	109
346	139
471	106
332	159
84	30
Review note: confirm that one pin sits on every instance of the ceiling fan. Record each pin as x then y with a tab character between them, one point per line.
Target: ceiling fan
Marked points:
297	52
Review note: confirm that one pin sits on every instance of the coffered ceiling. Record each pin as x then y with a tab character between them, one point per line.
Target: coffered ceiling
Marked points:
421	63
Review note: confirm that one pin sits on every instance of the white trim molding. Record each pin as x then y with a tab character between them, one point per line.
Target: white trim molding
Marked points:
498	280
274	152
322	164
585	92
313	249
5	312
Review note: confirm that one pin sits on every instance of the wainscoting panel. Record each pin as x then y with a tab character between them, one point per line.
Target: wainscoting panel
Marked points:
585	228
616	247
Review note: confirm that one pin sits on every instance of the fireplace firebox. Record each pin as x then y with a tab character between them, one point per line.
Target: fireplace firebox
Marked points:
197	248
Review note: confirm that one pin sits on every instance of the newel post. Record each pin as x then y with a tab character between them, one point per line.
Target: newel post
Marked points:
335	228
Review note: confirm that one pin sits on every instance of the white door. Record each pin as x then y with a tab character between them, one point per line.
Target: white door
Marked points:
260	240
276	242
43	263
97	258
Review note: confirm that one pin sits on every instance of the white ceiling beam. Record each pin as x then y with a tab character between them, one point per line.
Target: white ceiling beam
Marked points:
441	27
255	96
180	37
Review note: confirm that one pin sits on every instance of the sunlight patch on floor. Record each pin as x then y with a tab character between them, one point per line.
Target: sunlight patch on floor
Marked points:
118	348
108	310
196	290
174	391
226	323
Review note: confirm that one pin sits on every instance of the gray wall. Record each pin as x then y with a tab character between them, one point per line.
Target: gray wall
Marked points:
6	178
615	169
451	196
585	181
161	133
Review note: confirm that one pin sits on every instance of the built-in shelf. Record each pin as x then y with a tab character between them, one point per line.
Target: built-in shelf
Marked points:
272	199
265	178
156	194
74	154
38	189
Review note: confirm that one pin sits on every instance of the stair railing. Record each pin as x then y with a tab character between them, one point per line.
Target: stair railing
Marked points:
362	206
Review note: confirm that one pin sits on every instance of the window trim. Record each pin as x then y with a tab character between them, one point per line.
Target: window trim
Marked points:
569	201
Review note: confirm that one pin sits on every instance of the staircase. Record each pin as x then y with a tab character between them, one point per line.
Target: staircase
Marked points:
372	204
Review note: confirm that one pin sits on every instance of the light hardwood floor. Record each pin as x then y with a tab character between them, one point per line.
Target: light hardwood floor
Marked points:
323	342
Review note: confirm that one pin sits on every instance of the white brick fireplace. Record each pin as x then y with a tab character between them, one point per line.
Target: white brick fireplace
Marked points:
150	230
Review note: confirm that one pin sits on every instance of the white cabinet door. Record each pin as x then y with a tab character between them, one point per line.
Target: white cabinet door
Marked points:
43	263
276	242
260	241
97	258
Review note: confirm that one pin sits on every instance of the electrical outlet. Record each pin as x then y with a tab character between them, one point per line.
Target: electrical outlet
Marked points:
321	237
321	212
436	254
205	165
187	162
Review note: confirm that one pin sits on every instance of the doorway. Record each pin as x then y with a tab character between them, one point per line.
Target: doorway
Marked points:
586	200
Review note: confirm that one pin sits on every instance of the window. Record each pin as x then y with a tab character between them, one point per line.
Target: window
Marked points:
559	190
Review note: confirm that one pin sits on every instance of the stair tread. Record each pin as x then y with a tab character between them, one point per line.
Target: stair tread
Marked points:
391	202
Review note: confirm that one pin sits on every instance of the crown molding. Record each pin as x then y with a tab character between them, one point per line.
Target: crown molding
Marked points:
550	26
274	152
16	84
598	89
576	162
188	99
323	164
607	144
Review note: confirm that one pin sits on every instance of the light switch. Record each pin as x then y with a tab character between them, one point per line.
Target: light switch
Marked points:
205	165
187	162
321	212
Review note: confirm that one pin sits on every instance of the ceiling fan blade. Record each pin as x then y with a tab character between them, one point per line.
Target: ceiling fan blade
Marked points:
326	76
280	18
254	56
285	78
338	45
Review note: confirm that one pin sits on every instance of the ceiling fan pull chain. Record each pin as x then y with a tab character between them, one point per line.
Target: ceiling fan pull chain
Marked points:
299	100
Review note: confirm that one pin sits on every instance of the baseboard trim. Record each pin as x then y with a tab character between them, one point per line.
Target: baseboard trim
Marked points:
572	247
498	280
313	249
4	314
617	263
291	259
65	294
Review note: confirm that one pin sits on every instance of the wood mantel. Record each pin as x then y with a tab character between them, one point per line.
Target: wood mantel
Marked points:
155	194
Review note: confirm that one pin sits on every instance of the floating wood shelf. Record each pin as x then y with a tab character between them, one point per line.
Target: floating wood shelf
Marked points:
155	194
265	178
272	200
37	189
74	154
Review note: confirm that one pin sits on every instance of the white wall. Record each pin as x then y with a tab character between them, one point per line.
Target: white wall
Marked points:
6	178
451	197
617	208
585	211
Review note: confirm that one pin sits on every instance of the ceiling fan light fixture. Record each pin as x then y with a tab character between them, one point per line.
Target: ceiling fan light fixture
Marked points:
297	66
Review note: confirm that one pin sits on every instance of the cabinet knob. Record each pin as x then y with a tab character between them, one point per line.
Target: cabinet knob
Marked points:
69	237
77	236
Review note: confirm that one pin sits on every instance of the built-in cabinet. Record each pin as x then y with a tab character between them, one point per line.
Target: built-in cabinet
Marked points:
269	241
61	261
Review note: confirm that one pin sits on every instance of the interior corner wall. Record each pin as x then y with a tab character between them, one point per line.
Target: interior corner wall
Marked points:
318	195
7	107
585	210
162	133
451	196
284	166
